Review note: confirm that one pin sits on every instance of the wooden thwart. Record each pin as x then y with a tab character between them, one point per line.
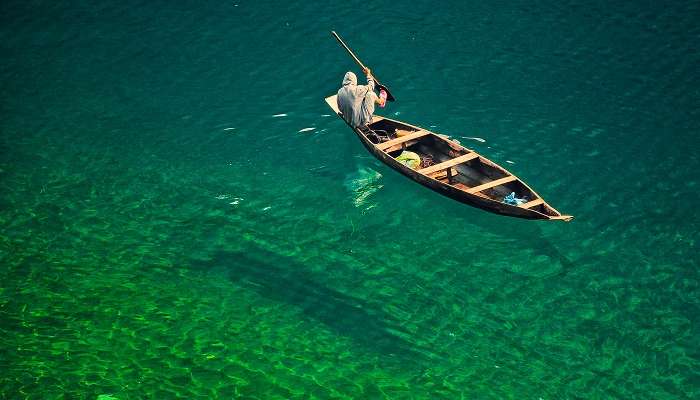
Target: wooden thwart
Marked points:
443	174
491	184
449	163
532	203
402	139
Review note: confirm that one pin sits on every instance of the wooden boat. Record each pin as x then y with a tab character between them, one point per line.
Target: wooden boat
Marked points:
454	171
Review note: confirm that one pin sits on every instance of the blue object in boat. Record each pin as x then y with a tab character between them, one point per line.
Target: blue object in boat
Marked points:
512	200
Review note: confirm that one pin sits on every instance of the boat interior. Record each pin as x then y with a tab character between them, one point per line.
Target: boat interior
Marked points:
452	164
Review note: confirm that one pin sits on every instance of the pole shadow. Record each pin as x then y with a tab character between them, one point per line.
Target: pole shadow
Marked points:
282	279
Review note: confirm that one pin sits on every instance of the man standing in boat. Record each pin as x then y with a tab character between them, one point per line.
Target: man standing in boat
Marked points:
356	102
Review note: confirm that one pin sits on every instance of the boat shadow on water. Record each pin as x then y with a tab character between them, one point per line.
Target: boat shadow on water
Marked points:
285	280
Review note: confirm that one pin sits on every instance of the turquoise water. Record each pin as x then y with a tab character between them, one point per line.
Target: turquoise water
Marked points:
166	230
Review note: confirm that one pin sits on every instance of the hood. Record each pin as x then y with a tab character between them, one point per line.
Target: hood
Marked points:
349	79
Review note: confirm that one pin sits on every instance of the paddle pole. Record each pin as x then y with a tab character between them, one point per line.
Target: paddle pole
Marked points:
389	97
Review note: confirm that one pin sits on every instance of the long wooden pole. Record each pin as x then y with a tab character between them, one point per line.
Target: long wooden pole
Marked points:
389	96
357	60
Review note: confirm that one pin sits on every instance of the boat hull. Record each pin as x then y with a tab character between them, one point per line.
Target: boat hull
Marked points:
447	190
463	196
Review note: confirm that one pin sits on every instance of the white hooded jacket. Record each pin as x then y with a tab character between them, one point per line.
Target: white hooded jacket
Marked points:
356	103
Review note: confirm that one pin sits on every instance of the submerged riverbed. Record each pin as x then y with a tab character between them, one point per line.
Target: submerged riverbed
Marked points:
182	217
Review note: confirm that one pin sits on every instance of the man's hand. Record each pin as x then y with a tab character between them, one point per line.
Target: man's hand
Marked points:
367	71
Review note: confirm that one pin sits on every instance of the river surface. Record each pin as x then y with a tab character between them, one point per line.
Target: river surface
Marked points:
181	215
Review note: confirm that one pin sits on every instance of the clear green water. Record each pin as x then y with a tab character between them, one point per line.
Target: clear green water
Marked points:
165	233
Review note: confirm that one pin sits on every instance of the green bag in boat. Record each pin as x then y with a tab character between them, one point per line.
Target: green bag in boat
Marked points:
409	159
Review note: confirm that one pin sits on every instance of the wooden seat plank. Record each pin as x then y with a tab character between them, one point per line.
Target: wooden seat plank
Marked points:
465	188
449	163
443	173
402	139
333	103
488	185
532	203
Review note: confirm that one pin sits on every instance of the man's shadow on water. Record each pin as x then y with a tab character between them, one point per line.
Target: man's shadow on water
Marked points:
285	280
